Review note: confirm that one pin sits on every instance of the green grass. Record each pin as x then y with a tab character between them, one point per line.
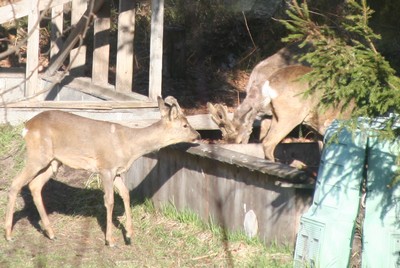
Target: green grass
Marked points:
12	150
257	254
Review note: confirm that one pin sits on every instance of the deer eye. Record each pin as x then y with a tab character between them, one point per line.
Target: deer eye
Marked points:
185	125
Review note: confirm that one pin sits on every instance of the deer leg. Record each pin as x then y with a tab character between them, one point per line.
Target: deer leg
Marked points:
36	186
107	179
277	131
124	193
26	175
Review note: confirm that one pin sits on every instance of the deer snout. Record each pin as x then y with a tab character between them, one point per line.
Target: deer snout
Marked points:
197	136
243	135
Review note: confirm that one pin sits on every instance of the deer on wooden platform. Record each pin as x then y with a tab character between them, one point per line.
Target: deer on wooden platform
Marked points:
55	137
274	89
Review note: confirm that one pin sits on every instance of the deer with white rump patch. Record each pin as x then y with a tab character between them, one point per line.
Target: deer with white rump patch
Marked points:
54	138
280	95
238	129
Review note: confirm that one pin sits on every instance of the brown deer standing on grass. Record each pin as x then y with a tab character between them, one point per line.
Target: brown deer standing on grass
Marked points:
54	138
280	95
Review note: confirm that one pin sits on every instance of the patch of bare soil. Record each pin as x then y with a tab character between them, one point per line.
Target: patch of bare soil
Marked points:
76	214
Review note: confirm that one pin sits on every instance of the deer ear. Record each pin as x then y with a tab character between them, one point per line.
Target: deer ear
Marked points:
173	113
164	109
248	118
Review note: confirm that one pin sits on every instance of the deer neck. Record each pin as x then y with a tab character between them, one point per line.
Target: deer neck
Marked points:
151	138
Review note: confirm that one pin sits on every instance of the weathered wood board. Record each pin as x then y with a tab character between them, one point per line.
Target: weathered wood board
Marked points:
216	185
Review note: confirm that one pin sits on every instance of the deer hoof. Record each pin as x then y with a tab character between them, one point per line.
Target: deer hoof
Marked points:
110	244
128	241
8	235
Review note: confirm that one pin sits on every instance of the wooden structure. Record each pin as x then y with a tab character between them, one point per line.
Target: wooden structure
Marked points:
22	95
238	191
82	14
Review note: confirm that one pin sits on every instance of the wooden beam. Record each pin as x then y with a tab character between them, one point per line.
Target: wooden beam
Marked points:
77	55
73	38
156	48
85	85
101	49
20	8
95	105
57	19
125	52
32	63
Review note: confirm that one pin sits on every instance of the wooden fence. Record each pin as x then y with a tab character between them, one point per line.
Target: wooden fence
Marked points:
83	13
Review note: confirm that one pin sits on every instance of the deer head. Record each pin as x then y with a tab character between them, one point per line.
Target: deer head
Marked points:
236	130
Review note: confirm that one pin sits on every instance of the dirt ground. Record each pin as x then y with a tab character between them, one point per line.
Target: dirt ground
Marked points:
79	232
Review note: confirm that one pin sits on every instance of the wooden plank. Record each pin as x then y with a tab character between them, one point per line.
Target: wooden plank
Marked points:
75	35
85	85
136	117
101	50
125	53
32	62
21	8
133	106
57	27
77	55
101	105
220	191
293	175
156	48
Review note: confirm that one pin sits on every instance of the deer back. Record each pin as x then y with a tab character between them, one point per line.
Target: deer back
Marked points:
263	70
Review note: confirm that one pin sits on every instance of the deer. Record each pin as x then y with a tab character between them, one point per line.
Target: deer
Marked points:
238	129
281	96
55	137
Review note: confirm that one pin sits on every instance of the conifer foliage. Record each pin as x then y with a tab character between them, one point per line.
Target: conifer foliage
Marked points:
346	65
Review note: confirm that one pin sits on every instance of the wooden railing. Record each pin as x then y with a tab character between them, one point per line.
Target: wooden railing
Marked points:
84	12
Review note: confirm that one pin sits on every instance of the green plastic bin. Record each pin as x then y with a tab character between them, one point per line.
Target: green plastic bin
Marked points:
326	229
381	229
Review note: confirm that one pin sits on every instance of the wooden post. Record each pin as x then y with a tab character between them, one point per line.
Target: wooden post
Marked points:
156	48
32	62
57	17
101	50
78	55
125	53
77	32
